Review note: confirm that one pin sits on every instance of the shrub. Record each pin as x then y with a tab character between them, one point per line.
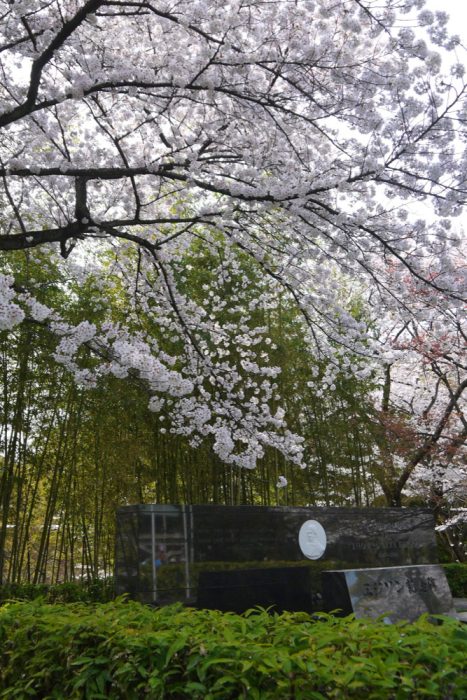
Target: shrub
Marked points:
102	590
93	591
124	650
456	575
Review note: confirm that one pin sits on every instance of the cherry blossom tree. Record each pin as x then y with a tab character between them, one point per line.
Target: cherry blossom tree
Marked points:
424	401
302	134
423	412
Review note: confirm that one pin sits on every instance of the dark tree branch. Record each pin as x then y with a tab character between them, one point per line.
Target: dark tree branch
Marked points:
38	65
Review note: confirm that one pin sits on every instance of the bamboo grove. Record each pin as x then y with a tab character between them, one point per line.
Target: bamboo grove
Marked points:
70	455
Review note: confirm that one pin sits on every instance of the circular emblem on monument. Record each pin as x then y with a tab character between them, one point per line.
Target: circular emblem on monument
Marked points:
312	539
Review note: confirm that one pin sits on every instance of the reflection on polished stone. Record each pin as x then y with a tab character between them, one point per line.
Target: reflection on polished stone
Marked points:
161	550
397	593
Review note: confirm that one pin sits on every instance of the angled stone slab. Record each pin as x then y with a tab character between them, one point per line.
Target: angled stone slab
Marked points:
397	593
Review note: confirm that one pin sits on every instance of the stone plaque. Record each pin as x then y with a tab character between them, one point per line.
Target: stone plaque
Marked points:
397	593
312	539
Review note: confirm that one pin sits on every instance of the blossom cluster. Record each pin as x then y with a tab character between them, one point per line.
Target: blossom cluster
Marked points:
298	139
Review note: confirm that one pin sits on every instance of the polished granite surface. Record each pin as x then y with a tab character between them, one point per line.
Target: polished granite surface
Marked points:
238	590
163	549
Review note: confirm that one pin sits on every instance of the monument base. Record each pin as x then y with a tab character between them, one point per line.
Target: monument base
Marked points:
279	588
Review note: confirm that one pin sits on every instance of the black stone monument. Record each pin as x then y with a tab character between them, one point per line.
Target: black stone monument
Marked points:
237	590
167	553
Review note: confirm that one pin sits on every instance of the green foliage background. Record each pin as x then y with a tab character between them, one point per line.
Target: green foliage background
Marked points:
70	455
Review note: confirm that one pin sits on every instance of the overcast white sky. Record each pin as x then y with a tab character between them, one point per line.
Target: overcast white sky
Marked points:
457	10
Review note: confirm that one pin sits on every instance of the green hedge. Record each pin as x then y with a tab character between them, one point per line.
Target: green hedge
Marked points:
173	575
102	590
94	591
457	579
127	651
